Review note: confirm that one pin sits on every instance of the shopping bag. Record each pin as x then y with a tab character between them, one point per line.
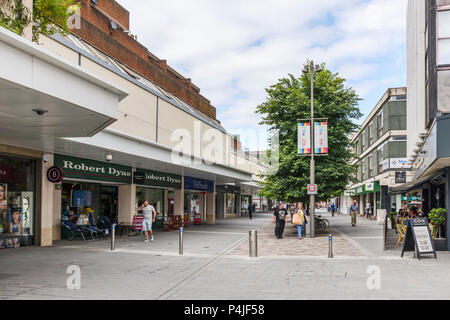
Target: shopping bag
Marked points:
297	219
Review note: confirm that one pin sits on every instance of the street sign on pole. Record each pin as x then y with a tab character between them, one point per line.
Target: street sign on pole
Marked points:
312	189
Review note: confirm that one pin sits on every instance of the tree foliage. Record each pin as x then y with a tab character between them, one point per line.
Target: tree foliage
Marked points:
48	17
289	101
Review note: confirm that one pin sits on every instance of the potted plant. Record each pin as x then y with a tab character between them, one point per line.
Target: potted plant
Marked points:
392	216
438	218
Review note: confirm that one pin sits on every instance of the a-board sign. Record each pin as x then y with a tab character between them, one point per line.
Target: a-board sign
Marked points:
418	236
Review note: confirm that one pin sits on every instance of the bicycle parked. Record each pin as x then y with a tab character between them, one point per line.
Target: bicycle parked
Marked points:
321	224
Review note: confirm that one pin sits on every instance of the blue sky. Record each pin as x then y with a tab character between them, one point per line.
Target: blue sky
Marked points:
235	49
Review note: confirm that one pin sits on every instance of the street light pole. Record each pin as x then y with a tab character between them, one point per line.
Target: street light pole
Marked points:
313	164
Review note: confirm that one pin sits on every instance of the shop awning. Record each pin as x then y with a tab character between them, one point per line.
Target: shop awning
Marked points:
416	184
44	97
365	188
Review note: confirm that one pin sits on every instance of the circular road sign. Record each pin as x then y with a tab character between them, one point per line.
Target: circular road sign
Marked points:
312	189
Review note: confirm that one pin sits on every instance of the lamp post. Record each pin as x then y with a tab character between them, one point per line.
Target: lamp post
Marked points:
312	69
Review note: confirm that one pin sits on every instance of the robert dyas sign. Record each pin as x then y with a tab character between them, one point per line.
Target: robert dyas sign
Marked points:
157	179
77	168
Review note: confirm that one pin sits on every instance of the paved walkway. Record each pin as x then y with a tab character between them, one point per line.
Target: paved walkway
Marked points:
215	265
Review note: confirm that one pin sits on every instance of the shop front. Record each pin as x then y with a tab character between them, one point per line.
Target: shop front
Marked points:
246	199
90	190
428	197
369	198
229	201
195	192
158	189
17	201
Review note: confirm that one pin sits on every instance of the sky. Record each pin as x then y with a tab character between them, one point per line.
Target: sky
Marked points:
235	49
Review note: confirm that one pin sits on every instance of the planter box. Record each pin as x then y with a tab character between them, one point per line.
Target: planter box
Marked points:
440	244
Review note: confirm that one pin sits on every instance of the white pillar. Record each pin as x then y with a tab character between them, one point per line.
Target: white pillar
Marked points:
127	203
179	200
45	235
211	207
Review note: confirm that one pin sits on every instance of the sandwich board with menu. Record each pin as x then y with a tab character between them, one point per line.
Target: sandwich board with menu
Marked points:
418	237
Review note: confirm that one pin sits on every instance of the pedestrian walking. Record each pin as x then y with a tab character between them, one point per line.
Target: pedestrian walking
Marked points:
149	218
293	210
251	208
333	209
354	209
368	210
279	218
299	220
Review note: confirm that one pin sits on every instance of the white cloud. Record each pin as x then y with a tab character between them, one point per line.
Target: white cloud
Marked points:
235	49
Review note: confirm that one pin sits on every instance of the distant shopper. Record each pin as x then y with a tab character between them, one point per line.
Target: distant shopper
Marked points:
251	209
368	210
302	218
333	209
292	210
354	209
279	218
149	218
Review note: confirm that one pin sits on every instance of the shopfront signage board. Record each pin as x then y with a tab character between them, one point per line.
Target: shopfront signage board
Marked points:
5	172
55	174
418	236
400	177
157	179
228	189
198	184
86	169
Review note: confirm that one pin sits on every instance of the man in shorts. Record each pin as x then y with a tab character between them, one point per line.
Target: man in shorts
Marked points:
149	217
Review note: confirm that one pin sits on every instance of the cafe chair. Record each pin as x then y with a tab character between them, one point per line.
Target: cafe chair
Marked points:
168	224
74	230
401	234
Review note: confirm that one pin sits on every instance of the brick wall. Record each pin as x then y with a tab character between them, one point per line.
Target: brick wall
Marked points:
96	30
116	11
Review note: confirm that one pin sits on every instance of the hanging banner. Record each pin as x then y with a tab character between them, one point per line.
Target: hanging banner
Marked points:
304	138
321	137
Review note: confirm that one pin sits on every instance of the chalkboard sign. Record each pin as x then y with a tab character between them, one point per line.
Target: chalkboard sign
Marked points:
418	237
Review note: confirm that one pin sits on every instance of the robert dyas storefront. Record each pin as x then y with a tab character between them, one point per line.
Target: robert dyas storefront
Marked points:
90	188
102	189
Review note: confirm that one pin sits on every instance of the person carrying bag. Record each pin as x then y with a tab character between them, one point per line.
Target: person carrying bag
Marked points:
299	220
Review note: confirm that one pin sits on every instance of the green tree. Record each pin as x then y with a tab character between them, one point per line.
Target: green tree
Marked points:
49	16
287	102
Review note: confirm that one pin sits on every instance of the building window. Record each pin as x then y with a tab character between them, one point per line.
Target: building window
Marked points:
443	91
444	38
230	203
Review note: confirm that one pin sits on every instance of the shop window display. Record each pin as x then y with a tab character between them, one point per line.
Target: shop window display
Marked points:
17	192
156	198
230	203
191	205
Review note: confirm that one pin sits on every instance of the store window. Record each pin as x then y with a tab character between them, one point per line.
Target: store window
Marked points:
85	203
230	203
155	197
17	202
191	205
245	201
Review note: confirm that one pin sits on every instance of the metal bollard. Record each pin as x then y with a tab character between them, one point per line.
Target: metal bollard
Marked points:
180	251
253	244
113	237
330	246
